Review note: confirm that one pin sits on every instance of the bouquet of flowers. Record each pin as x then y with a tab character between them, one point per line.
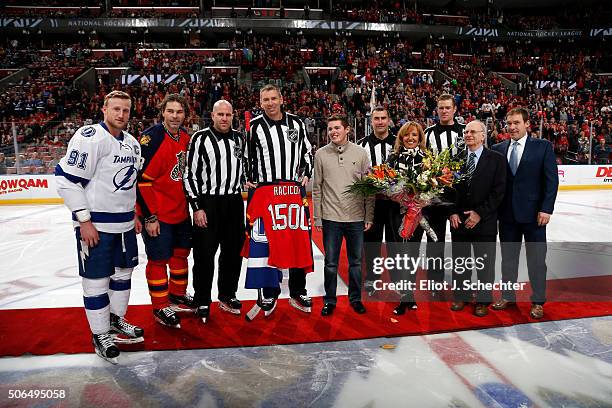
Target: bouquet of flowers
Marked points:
415	188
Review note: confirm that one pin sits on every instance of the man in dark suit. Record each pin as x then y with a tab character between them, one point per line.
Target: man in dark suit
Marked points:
531	190
474	218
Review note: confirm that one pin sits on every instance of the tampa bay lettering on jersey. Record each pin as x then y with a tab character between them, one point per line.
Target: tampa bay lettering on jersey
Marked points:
125	159
286	190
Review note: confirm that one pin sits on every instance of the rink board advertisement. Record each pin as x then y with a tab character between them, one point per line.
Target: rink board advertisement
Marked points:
26	189
40	189
587	176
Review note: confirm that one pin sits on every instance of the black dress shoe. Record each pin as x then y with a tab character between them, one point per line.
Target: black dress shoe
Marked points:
401	308
358	307
502	304
481	310
328	309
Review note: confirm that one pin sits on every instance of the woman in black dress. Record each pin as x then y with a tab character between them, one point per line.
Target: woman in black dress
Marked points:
407	155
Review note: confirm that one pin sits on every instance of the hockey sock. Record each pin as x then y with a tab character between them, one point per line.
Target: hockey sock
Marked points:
119	293
179	271
97	304
157	279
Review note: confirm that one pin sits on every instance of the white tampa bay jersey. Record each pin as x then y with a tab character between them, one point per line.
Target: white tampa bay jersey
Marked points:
99	173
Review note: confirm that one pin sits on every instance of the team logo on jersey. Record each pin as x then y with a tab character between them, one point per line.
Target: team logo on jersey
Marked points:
145	139
237	149
177	171
292	135
460	142
125	178
89	131
125	146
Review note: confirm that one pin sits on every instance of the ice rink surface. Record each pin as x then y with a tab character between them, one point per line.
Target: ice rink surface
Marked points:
555	364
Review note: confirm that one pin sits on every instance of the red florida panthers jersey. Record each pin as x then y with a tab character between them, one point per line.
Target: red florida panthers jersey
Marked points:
283	208
160	181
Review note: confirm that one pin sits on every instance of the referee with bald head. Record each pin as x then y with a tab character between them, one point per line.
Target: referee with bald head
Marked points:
213	181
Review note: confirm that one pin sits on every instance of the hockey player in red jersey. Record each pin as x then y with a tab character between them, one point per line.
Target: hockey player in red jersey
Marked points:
163	207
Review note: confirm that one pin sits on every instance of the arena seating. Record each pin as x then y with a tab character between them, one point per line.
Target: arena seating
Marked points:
563	84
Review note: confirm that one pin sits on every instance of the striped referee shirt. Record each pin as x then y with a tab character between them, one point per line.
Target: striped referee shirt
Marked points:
378	149
278	149
440	137
215	165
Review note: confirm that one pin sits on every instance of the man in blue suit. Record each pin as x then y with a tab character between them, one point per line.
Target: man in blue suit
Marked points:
531	189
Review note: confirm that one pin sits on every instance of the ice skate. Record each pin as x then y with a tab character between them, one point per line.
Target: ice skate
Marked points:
182	304
301	302
232	305
105	348
203	313
123	332
167	317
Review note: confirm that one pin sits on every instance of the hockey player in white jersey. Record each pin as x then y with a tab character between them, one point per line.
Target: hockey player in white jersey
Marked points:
97	180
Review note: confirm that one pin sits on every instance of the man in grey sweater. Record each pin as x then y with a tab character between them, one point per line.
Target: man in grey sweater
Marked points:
338	214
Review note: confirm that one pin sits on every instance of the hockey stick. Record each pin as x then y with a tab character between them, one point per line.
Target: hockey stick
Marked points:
251	314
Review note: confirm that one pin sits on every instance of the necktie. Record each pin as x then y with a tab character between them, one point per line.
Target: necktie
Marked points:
471	165
514	161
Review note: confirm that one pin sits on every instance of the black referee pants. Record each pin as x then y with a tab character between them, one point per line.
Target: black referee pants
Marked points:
225	216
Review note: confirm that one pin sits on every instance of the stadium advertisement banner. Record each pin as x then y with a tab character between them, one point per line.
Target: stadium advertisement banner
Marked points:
130	79
554	84
28	189
601	32
224	24
500	33
595	176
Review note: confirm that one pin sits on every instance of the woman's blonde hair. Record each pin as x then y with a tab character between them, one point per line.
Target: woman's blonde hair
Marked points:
404	131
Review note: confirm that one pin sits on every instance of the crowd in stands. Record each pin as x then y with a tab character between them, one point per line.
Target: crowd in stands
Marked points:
37	102
392	11
566	112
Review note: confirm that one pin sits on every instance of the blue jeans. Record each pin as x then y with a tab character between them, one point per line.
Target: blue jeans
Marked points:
333	232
